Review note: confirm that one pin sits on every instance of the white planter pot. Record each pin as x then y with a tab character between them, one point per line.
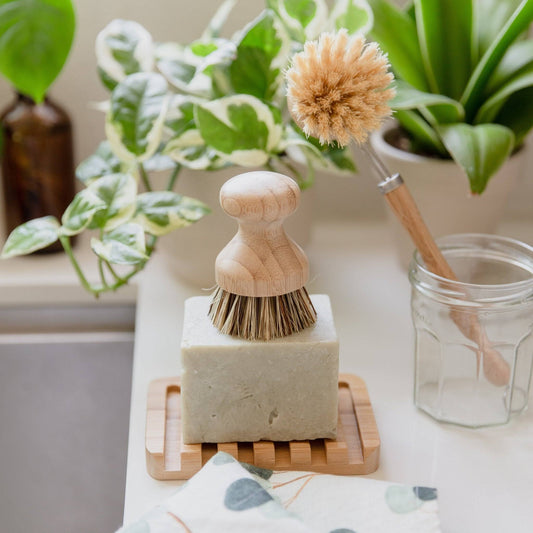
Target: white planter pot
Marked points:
191	251
441	190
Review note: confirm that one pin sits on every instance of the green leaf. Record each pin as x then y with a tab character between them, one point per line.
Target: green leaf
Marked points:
396	32
186	146
118	193
479	150
445	34
329	156
340	158
159	162
354	15
517	59
101	163
123	47
106	203
303	19
408	97
516	114
490	16
161	212
212	71
489	110
423	136
180	115
79	214
135	121
31	236
125	245
203	49
514	26
190	150
177	71
261	53
303	11
241	129
35	40
195	69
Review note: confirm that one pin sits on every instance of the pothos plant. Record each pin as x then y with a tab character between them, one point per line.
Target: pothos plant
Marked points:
206	105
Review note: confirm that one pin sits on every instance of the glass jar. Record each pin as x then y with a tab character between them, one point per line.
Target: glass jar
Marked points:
473	337
37	162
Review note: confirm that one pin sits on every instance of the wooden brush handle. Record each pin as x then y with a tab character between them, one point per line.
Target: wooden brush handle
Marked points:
261	260
495	368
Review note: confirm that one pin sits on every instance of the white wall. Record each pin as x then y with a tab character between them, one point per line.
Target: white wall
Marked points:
182	20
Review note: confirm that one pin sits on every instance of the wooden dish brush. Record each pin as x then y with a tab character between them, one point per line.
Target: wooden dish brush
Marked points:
261	272
338	90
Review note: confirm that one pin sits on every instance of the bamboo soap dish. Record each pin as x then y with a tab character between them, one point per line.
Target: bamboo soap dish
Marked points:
354	452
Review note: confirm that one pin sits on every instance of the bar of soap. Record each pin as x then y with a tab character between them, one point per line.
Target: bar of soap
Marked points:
234	390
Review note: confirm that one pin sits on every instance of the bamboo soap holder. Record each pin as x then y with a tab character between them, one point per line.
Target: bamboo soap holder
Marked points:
354	452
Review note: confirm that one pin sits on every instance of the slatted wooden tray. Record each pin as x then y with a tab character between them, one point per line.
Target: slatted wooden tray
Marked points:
355	451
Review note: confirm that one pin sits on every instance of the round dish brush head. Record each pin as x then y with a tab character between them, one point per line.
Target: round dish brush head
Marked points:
339	88
261	272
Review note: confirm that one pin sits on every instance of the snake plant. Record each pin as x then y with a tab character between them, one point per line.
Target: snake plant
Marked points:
464	72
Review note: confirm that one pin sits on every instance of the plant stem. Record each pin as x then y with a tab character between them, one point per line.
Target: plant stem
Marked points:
173	177
151	245
123	280
101	265
65	242
112	270
144	177
101	272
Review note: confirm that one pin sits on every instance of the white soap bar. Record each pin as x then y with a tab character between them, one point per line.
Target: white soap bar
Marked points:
237	390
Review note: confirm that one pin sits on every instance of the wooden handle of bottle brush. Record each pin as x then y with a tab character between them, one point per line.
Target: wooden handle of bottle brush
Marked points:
495	368
261	260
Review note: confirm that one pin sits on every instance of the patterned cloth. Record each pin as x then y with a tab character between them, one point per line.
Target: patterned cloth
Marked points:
228	496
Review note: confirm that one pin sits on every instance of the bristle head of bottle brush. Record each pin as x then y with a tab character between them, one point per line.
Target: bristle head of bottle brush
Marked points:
261	272
339	88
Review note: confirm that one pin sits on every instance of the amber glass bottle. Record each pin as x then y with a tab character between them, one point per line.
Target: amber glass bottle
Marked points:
37	162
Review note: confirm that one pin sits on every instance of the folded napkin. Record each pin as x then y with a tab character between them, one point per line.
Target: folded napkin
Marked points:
226	495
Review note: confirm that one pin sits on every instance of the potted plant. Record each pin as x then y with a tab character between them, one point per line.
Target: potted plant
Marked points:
226	112
192	110
463	108
38	161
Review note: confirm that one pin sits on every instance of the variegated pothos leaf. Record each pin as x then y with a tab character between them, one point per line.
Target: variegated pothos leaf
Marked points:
134	123
123	47
161	212
124	245
241	129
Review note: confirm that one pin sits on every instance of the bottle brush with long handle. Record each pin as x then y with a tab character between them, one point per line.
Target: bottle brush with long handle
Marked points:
338	90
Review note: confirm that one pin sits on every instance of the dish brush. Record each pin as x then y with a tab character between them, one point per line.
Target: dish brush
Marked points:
261	272
338	89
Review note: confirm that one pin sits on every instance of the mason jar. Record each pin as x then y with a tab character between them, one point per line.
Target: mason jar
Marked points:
473	337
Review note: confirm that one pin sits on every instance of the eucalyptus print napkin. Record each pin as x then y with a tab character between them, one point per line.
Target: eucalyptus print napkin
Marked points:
228	496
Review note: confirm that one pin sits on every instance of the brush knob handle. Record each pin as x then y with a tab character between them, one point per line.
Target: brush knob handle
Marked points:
261	260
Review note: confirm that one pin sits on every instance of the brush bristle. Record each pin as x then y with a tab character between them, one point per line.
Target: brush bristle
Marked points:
339	88
261	318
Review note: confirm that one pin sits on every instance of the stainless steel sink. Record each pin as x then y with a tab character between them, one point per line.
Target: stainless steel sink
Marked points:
65	380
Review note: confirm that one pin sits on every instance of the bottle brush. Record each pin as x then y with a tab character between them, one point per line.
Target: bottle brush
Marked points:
338	90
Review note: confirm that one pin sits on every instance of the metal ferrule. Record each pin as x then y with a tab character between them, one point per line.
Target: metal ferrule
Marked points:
390	183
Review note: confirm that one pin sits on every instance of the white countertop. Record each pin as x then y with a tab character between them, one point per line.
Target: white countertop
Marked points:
484	477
